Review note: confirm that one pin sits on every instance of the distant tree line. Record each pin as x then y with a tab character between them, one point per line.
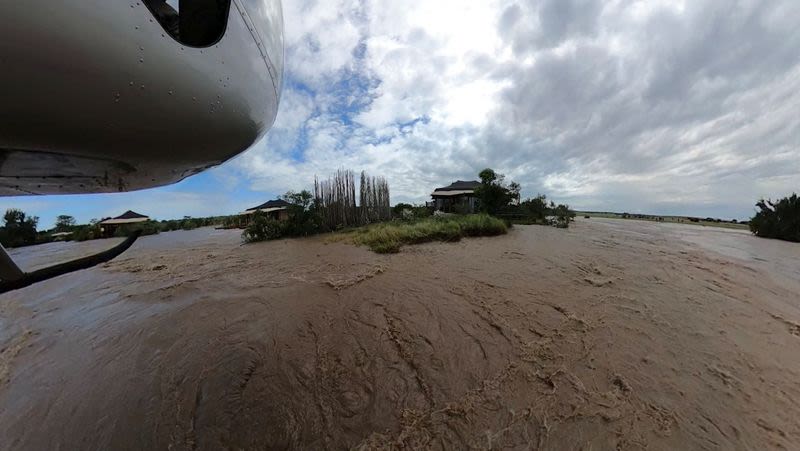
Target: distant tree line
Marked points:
93	230
780	219
19	229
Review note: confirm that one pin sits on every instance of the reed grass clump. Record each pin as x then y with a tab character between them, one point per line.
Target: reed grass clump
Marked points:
385	238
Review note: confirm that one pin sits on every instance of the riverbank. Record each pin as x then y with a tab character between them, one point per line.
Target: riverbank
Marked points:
707	222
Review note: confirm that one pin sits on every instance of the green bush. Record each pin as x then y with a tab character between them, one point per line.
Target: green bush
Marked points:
422	212
562	216
536	210
262	228
399	210
85	233
388	247
408	212
303	220
494	194
189	223
482	225
147	228
779	219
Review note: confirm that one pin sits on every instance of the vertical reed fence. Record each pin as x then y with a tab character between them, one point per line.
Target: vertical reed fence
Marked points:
336	199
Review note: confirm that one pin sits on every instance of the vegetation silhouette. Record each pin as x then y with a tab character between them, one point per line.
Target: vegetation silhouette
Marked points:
19	229
780	219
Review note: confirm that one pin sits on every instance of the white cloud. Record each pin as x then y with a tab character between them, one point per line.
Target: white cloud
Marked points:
321	36
626	104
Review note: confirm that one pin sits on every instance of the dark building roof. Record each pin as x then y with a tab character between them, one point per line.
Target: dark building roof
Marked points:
460	185
130	215
277	203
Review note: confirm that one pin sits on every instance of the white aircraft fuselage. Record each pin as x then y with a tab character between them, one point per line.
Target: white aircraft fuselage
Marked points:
108	96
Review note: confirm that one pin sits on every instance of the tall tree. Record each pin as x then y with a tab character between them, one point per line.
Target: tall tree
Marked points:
65	223
14	217
514	189
19	229
304	216
493	193
487	176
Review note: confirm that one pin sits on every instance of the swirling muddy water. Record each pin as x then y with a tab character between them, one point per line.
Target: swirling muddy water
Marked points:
611	334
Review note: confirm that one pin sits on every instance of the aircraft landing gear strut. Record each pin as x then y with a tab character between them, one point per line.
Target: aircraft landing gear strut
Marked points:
13	278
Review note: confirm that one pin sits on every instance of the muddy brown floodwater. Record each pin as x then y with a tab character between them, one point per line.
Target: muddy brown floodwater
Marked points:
611	334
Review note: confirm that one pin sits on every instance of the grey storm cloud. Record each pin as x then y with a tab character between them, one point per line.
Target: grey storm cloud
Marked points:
684	94
663	106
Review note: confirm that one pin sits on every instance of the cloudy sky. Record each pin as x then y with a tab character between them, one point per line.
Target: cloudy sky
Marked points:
670	107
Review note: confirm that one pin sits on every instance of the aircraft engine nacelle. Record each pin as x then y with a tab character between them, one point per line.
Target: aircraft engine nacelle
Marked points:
107	95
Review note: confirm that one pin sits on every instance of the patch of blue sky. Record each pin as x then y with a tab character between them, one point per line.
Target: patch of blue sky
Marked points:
298	150
301	140
348	93
406	128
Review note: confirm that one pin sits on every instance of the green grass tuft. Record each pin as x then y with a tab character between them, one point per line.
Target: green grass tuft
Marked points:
388	238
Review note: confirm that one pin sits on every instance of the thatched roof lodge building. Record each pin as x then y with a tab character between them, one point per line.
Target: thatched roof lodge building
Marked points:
458	197
110	225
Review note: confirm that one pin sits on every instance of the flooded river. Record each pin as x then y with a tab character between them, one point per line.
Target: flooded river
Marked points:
611	334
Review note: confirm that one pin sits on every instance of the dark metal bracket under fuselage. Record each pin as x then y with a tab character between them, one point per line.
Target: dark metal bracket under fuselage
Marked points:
13	278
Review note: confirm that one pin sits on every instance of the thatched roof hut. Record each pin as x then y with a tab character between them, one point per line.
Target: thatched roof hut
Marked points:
457	188
129	217
459	196
266	207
